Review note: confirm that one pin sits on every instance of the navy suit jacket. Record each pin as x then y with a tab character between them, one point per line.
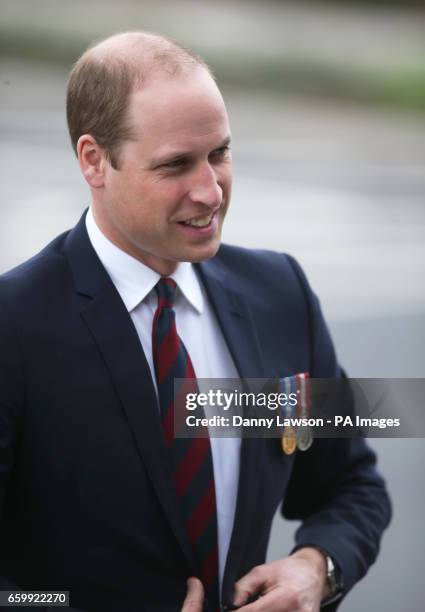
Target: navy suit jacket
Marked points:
86	505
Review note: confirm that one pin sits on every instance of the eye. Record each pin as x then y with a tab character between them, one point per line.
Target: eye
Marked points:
221	152
175	163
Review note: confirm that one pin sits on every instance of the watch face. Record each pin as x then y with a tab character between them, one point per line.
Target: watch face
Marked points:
334	580
332	575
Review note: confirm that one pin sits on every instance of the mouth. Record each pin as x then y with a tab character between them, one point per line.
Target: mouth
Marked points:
199	222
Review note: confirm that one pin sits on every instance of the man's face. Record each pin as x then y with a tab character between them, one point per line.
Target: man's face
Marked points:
167	200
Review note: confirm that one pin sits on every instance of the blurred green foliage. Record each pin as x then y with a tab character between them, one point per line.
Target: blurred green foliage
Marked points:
401	86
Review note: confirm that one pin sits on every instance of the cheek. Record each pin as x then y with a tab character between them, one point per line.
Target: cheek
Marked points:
148	209
172	189
164	199
145	204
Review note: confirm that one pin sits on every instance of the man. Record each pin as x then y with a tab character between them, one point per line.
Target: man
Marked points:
97	496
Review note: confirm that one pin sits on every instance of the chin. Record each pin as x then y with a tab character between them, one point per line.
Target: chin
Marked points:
201	254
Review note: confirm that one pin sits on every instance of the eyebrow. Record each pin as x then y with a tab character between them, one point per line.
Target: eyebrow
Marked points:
183	154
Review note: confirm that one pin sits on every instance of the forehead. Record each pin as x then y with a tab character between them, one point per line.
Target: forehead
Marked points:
180	110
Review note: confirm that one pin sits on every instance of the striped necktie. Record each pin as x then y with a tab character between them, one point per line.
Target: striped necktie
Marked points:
190	458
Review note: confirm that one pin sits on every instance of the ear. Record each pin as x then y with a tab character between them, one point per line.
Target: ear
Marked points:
92	160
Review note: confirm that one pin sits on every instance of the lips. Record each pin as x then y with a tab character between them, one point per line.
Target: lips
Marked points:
200	227
199	222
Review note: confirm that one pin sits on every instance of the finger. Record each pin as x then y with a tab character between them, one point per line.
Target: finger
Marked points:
271	602
195	596
249	585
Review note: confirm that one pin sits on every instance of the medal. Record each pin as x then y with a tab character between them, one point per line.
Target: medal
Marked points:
304	432
304	437
289	441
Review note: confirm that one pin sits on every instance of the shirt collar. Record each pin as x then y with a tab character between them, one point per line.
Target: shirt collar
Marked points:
133	279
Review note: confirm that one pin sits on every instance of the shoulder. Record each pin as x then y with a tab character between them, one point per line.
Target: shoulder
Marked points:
282	305
26	284
265	270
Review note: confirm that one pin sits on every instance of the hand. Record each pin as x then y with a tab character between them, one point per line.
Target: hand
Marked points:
294	584
194	601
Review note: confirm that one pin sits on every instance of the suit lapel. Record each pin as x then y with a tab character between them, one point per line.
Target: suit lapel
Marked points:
239	332
115	335
234	319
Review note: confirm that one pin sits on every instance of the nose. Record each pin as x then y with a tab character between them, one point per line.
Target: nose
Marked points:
205	188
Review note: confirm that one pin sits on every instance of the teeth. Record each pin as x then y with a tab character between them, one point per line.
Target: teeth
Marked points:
200	222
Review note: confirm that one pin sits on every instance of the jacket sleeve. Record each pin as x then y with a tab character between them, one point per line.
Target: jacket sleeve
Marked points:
335	489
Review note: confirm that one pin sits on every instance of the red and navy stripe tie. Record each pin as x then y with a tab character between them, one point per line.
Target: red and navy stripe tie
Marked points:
190	458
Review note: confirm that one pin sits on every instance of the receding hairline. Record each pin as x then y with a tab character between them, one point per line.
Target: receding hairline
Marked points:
143	53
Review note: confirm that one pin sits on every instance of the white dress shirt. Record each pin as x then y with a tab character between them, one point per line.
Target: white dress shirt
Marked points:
198	328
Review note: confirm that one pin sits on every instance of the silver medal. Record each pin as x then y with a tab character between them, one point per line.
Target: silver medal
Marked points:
304	437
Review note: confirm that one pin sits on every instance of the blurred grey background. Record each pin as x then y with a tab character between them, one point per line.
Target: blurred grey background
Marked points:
327	103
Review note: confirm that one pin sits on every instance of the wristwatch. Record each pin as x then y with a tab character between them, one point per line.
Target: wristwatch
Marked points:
334	580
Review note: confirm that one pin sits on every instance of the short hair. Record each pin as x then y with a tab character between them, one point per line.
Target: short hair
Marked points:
103	77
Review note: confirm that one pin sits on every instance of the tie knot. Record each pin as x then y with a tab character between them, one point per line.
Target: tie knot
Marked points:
166	292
